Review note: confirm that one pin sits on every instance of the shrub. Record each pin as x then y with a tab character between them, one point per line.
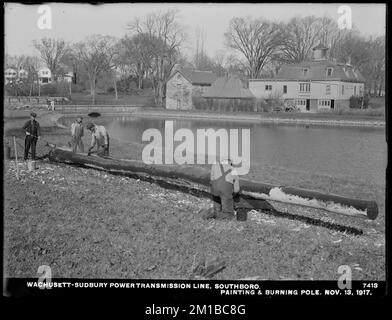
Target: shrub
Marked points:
359	102
262	105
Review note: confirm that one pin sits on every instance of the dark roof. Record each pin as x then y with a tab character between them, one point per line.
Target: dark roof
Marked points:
317	70
197	77
228	87
320	47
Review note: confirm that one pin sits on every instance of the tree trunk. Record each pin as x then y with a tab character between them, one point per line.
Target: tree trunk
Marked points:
92	89
115	86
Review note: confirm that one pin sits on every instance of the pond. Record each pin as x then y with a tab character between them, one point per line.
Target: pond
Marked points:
349	152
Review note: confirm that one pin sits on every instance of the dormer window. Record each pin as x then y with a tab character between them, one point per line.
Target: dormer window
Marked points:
329	72
305	71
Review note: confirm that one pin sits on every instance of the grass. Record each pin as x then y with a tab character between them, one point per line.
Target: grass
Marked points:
87	224
109	99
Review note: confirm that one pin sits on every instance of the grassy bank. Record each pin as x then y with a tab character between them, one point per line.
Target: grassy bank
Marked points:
87	224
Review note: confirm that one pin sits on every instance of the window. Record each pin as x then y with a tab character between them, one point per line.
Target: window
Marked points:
355	90
328	89
304	87
301	102
305	71
342	89
324	103
284	89
329	72
268	87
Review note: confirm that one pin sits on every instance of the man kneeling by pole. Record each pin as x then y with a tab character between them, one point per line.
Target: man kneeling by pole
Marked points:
224	186
99	137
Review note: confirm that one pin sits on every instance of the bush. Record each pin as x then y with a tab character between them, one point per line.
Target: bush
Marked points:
359	102
262	105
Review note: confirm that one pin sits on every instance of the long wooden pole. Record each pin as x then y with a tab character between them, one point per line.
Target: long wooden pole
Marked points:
198	175
16	159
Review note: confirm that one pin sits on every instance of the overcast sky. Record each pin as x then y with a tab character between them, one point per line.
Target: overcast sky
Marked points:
73	22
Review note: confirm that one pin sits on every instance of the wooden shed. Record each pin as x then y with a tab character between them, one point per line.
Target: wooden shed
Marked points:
229	93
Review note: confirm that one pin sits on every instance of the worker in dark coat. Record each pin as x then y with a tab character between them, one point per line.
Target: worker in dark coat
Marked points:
33	132
224	186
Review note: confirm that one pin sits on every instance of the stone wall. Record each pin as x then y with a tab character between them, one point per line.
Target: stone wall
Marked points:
179	93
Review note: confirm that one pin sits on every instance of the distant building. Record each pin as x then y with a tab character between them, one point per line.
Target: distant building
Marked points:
23	74
67	77
10	75
230	93
44	76
312	85
184	84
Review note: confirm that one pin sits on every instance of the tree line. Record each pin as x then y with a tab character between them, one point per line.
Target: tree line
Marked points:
154	44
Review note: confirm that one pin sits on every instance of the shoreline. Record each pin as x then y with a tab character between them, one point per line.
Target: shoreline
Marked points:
53	118
257	118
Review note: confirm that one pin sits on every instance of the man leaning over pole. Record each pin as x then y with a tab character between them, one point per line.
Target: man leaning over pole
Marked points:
224	186
99	137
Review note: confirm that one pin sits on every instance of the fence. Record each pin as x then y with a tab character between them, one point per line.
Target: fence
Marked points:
77	109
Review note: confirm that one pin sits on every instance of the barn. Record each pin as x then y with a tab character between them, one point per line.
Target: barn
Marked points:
184	84
229	93
312	85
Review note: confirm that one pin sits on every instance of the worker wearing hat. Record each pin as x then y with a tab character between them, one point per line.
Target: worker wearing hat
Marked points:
224	185
99	137
77	133
33	132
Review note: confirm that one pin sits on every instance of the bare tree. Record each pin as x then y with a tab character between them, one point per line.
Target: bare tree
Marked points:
51	52
300	36
135	54
256	39
164	38
93	54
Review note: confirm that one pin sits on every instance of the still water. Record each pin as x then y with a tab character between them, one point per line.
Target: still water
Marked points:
350	152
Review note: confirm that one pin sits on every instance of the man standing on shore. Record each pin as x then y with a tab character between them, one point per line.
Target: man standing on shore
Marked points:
99	137
33	132
77	132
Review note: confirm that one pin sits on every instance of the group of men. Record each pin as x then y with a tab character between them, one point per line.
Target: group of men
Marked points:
99	137
224	180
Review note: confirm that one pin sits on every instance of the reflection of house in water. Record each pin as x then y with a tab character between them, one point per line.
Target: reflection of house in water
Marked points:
44	75
312	85
185	83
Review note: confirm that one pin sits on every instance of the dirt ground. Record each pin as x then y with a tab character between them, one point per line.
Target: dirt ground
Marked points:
88	224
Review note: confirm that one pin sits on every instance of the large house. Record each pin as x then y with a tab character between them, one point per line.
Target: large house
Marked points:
312	85
44	75
183	84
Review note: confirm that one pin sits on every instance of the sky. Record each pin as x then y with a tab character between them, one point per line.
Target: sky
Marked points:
73	22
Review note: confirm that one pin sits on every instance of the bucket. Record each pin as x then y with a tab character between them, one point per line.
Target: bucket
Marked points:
31	165
242	215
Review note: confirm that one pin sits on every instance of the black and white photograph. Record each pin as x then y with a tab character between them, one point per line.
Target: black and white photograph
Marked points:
217	147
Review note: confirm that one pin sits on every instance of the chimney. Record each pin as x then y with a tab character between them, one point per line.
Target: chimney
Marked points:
320	52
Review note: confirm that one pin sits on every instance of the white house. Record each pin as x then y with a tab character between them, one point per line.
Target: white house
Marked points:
312	85
23	74
10	75
44	75
184	84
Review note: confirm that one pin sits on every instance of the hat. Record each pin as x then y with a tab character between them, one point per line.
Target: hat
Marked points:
90	126
33	114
